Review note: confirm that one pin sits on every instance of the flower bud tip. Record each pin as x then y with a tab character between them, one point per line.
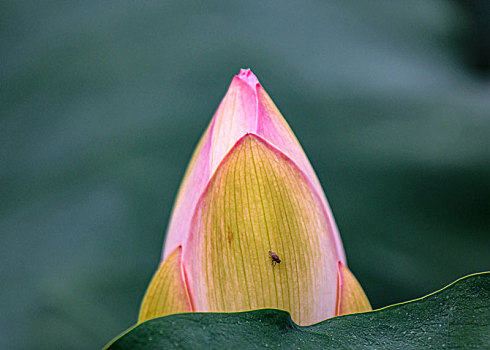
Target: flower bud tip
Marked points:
248	77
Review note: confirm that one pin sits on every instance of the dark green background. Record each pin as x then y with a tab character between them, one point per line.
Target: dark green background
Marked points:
102	103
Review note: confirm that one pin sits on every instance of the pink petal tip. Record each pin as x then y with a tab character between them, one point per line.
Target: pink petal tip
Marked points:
248	77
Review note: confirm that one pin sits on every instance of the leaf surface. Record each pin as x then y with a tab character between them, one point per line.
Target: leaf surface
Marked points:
456	317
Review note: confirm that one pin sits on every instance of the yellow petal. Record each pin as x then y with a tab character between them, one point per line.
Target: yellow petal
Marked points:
167	292
351	296
259	201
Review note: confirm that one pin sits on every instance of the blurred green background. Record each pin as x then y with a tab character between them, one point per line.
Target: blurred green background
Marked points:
102	103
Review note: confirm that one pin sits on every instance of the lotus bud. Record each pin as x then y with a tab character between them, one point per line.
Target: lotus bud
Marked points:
251	227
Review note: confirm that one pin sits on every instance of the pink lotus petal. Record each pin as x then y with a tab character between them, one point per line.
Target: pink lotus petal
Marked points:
245	109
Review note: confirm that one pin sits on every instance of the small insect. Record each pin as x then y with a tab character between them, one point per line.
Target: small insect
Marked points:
274	257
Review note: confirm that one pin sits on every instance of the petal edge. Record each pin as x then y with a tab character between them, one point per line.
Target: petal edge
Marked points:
350	295
167	292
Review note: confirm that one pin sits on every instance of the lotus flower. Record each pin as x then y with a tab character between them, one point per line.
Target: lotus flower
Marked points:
251	227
